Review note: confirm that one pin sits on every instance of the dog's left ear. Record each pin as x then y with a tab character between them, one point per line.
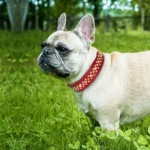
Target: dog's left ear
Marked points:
62	22
86	29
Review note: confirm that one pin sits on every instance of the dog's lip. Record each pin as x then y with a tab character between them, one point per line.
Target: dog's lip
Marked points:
54	71
48	65
65	75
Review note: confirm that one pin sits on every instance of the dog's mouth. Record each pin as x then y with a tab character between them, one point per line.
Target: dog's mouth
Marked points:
49	69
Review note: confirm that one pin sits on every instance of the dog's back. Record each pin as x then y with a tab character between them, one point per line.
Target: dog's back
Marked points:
136	103
123	87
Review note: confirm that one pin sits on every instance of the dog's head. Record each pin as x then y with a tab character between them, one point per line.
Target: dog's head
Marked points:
64	52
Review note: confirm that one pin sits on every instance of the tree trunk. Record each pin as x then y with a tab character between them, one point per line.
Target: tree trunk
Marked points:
84	7
142	13
36	17
17	12
96	8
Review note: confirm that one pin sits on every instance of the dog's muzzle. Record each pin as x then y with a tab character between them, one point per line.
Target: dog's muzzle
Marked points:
50	62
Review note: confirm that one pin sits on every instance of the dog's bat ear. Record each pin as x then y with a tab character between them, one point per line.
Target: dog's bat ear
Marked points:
86	29
62	22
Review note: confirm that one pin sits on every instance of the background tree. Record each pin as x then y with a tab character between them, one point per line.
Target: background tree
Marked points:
70	7
96	7
3	15
39	12
141	9
43	14
142	5
17	12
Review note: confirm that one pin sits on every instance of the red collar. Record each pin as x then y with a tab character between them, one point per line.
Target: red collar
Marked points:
90	75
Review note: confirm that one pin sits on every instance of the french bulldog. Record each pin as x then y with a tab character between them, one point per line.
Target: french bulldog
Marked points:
114	88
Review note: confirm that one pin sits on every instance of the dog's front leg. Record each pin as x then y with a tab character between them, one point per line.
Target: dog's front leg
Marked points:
109	121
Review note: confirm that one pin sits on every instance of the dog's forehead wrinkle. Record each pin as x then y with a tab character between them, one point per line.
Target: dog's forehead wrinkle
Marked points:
57	35
61	44
65	38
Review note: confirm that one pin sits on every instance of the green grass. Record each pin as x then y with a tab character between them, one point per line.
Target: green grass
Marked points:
38	112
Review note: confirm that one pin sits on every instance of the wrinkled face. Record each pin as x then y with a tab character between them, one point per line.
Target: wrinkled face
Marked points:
63	54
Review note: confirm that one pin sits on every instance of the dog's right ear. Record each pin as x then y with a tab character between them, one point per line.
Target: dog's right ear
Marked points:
62	22
86	29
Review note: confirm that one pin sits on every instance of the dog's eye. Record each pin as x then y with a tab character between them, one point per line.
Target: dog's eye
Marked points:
62	49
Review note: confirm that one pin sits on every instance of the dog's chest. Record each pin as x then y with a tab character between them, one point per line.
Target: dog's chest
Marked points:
86	105
83	104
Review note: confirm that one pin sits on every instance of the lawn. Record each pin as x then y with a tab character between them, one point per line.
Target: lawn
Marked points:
38	112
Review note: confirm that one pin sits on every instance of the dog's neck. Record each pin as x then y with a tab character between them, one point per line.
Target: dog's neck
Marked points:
90	70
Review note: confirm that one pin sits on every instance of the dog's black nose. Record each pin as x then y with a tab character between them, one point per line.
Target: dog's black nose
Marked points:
47	51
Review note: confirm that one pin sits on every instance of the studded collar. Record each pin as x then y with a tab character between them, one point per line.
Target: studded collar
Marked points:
90	75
